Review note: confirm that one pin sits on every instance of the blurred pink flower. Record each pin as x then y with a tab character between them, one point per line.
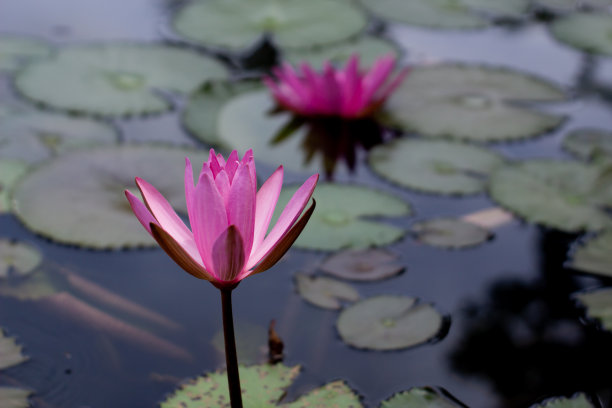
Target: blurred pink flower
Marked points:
346	92
229	219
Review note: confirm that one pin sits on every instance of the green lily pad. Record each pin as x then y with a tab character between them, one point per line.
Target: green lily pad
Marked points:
589	144
14	397
588	32
339	221
569	196
33	136
577	401
78	198
450	233
236	24
251	342
116	79
17	259
473	103
10	171
571	5
368	49
363	264
499	8
434	166
599	305
324	292
201	114
419	398
594	256
262	386
10	352
14	51
445	14
388	323
335	394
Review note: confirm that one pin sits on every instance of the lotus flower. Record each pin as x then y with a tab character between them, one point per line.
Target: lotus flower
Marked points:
229	219
347	92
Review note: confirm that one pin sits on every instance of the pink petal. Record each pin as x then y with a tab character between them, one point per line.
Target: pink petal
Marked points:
231	165
140	211
223	185
374	79
241	206
189	188
267	197
351	88
228	254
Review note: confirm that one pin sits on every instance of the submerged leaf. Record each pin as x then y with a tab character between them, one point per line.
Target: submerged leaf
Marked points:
10	171
589	144
324	292
10	352
450	233
588	32
17	259
250	342
594	255
362	264
419	398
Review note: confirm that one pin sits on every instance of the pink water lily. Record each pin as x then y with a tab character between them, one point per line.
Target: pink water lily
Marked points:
229	219
348	92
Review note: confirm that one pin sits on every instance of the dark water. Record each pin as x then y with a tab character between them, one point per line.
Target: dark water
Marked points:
515	337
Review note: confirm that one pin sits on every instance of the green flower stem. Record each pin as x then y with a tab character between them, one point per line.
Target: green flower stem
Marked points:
231	358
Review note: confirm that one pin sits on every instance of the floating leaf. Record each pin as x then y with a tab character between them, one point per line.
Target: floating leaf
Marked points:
17	259
10	352
338	221
577	401
419	398
588	32
362	264
569	196
434	166
447	14
335	394
450	233
78	198
587	144
368	49
594	256
473	103
262	386
33	136
571	5
499	8
324	292
16	50
251	339
116	79
14	397
599	305
388	323
10	171
236	24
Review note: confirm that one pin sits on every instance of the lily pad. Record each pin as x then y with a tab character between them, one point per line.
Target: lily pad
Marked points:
116	79
445	14
363	264
473	103
589	144
450	233
434	166
33	136
571	5
14	397
10	352
262	386
335	394
17	259
236	24
14	51
569	196
339	220
594	256
78	198
368	49
499	8
419	398
388	323
588	32
599	305
10	171
577	401
324	292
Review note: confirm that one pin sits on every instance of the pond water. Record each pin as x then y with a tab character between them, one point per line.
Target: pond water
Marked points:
514	335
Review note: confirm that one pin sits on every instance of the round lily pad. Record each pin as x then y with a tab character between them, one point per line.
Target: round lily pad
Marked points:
236	24
569	196
340	218
11	397
368	49
116	79
577	401
334	394
599	305
445	14
594	255
499	8
17	259
434	166
571	5
33	136
10	171
10	352
14	51
588	143
388	323
419	398
363	264
78	198
473	103
324	292
450	233
588	32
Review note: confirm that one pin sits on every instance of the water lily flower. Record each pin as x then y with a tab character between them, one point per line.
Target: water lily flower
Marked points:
229	219
348	92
